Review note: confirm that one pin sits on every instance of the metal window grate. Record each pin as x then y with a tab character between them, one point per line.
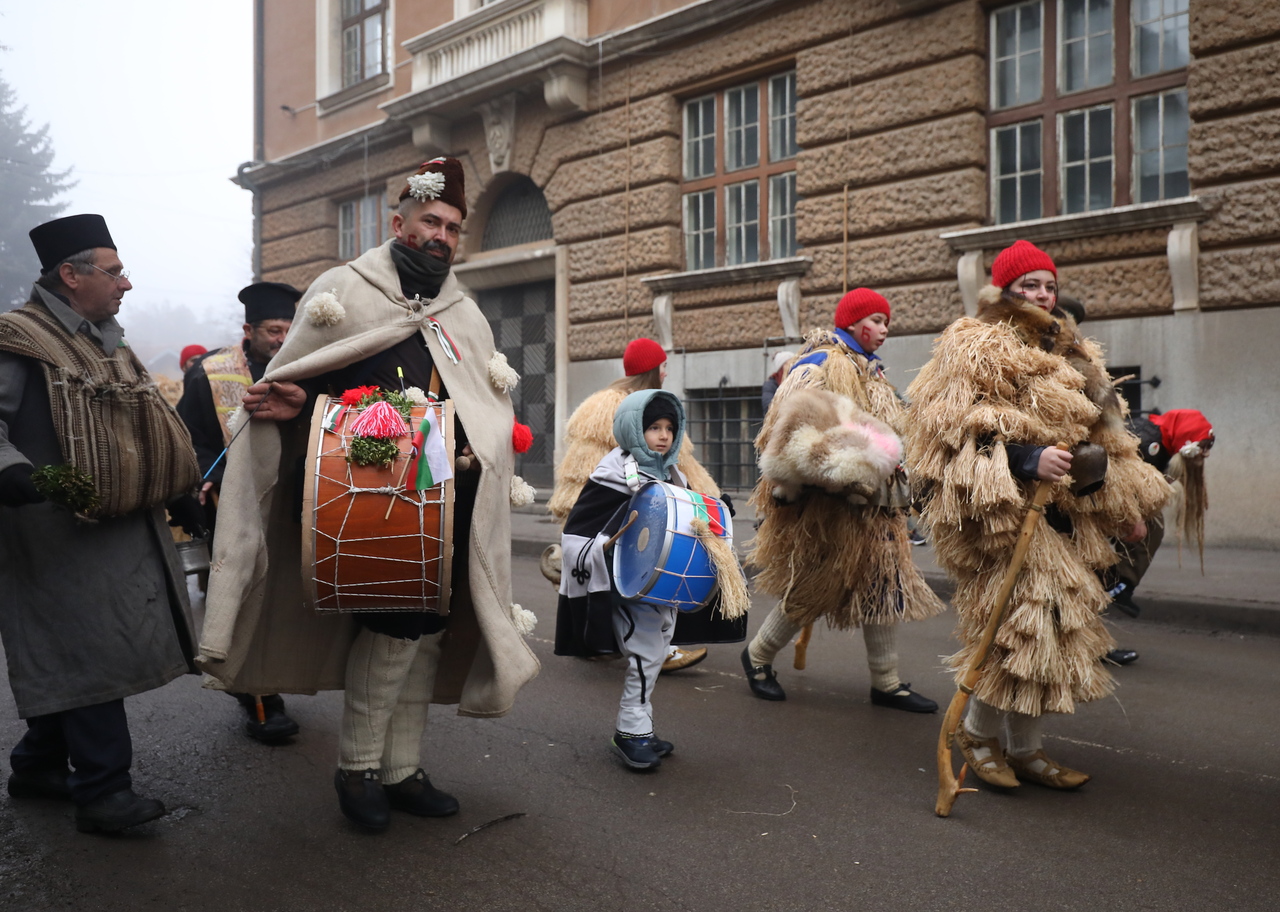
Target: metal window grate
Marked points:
723	423
519	216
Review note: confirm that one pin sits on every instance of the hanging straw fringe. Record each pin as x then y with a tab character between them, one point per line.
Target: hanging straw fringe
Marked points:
734	598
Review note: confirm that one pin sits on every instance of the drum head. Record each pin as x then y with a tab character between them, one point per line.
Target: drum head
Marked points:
642	548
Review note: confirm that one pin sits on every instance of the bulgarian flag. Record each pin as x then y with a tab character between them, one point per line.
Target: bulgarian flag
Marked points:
710	510
432	466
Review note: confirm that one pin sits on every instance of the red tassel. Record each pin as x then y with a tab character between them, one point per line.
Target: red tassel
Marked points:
521	437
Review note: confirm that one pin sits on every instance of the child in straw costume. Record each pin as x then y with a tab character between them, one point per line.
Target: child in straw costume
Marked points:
592	618
1000	391
833	541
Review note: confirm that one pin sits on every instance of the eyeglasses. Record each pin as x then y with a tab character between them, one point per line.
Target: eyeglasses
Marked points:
114	276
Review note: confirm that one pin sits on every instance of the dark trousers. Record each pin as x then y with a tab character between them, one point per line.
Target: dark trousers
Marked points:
95	739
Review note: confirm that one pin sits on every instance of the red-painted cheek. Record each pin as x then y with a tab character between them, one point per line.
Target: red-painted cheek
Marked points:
413	241
866	335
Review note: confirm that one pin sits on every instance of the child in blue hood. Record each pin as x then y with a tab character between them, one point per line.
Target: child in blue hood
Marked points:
592	618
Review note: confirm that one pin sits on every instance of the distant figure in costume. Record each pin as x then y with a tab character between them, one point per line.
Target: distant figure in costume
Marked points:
589	435
592	618
833	500
393	316
769	388
1001	390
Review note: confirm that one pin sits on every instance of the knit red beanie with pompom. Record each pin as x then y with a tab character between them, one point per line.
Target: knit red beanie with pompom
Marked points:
641	356
859	303
1016	261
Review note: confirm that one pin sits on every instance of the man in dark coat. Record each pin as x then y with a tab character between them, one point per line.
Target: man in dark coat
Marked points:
94	611
211	394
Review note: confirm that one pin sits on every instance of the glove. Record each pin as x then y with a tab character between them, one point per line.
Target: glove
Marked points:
16	487
728	503
187	512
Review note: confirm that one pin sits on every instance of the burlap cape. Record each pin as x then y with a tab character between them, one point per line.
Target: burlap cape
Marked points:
1015	374
257	636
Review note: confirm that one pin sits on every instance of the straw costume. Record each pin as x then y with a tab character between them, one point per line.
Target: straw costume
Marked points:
833	542
1000	387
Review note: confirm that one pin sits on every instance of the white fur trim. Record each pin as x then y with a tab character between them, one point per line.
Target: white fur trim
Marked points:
522	494
501	374
324	310
523	619
423	187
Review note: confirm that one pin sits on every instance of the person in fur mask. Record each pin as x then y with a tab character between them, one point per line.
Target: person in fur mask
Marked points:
833	499
592	618
589	435
1001	389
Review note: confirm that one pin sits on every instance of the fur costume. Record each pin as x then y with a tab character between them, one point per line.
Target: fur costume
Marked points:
838	549
1016	374
588	437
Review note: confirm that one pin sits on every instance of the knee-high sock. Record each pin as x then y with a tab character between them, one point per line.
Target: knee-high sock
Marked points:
984	721
402	753
775	633
377	667
882	655
1025	734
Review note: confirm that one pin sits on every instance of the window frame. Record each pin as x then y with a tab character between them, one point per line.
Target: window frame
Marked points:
365	13
719	182
373	200
1119	94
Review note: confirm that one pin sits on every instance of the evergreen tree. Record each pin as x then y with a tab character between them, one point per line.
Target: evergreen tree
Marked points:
28	189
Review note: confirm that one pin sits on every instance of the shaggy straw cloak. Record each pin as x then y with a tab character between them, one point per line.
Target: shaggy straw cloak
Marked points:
589	436
1016	374
843	557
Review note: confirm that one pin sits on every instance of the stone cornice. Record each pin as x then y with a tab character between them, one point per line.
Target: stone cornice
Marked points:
729	275
527	263
676	26
324	152
1118	220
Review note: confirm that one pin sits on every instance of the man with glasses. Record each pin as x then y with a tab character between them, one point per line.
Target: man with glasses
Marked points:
211	394
95	606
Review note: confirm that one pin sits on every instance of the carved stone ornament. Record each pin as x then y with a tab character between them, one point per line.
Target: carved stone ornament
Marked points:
499	116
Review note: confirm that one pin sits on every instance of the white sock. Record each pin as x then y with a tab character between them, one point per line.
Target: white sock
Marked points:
1025	737
775	633
882	656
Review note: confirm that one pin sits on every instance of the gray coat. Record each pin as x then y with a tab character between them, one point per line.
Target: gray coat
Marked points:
88	612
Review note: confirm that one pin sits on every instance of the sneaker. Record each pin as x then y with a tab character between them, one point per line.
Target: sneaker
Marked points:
662	748
903	698
762	679
637	751
362	799
679	658
416	795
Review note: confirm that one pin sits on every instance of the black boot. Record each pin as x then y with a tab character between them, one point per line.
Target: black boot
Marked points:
275	726
117	811
762	679
363	799
42	783
416	795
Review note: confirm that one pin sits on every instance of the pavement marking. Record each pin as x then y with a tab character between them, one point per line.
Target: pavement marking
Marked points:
1163	759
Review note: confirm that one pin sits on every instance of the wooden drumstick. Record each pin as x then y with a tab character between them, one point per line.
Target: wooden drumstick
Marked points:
617	535
403	472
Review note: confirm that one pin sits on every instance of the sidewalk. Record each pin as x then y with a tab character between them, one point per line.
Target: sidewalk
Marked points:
1238	593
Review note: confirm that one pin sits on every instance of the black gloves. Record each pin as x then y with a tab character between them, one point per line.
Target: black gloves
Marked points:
17	488
188	512
728	503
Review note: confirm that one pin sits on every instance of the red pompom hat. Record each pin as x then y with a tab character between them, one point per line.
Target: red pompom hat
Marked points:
1016	261
859	303
1178	427
191	351
641	356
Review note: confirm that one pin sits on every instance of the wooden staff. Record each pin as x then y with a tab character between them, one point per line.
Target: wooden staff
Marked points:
802	647
948	785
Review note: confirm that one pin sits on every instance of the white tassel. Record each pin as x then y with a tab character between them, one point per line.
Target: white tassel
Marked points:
522	493
324	309
501	374
523	619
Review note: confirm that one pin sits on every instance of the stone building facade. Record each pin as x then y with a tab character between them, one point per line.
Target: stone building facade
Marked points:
714	174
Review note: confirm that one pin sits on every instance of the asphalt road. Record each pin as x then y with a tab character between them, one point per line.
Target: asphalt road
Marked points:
820	802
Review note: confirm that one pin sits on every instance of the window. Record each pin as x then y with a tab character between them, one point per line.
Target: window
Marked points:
723	423
359	225
739	174
1088	105
363	24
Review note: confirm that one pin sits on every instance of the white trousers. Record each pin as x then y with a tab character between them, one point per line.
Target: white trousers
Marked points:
644	637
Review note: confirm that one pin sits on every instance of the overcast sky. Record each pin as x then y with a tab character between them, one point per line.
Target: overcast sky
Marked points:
150	102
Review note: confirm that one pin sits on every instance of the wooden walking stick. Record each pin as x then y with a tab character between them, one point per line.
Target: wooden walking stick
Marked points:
802	647
948	785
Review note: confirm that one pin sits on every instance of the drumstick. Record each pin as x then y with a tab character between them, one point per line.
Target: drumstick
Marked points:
618	534
403	472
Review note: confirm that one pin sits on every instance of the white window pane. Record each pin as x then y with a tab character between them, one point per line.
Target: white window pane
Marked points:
1099	17
351	55
1086	44
699	138
370	223
1029	142
742	223
1073	19
1005	32
1100	133
1175	121
1073	137
699	230
1101	57
1073	68
1073	190
346	231
372	46
1100	183
1161	37
1029	27
782	215
782	117
1087	159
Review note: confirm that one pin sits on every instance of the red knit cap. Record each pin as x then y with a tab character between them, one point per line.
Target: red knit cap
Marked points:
190	352
641	356
859	303
1178	427
1016	261
450	187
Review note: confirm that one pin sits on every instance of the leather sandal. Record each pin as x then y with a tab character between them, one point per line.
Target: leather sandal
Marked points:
1054	775
992	769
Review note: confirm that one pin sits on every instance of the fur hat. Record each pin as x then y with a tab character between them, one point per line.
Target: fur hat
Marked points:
642	355
439	179
268	301
859	303
1017	260
56	240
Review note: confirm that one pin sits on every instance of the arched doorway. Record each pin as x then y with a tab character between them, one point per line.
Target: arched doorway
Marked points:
523	320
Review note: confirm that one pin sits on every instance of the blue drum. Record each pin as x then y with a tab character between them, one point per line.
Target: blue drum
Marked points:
658	559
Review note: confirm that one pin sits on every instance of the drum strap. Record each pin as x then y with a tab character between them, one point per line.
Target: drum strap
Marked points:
434	388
